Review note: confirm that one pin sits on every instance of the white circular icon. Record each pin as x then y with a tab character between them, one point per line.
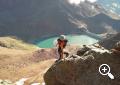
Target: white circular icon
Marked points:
104	69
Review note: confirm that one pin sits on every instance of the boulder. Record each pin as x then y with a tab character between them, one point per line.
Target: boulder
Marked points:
117	46
110	42
116	49
84	69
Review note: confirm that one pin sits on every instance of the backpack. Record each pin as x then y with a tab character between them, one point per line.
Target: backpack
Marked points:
62	42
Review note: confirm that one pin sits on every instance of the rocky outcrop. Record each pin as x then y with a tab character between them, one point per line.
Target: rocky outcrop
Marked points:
116	49
110	42
83	69
117	46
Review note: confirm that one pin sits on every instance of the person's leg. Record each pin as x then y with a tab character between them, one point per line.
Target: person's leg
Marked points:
61	54
60	51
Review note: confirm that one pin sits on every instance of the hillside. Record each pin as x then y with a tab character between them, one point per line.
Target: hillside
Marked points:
111	41
18	64
17	61
22	60
33	19
14	43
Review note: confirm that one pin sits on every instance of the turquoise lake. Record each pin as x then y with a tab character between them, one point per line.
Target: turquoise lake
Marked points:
73	39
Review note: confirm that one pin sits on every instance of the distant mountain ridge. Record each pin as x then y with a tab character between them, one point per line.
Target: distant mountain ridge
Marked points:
31	20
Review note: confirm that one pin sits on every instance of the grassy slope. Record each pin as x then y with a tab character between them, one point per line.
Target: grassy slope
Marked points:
14	43
38	71
15	62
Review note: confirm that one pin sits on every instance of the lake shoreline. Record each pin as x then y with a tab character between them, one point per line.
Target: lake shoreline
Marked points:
75	39
92	35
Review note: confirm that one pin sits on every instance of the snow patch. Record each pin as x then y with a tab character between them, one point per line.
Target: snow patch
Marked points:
43	83
35	84
77	2
21	81
38	84
100	50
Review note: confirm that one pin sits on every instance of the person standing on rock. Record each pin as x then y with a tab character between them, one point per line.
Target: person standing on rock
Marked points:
61	44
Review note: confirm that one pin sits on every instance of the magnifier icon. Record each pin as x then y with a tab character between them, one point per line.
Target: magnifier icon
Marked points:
104	69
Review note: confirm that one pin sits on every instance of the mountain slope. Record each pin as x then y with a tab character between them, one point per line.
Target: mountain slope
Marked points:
31	20
16	64
14	43
110	42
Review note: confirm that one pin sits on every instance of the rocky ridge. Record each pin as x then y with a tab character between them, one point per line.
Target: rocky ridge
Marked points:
82	68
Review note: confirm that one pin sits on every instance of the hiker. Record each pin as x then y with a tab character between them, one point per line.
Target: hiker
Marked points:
61	44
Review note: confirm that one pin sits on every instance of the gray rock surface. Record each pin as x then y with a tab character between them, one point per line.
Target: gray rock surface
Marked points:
109	43
84	69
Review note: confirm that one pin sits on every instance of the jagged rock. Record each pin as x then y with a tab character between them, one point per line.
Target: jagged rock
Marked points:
81	51
116	49
117	46
109	43
83	70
